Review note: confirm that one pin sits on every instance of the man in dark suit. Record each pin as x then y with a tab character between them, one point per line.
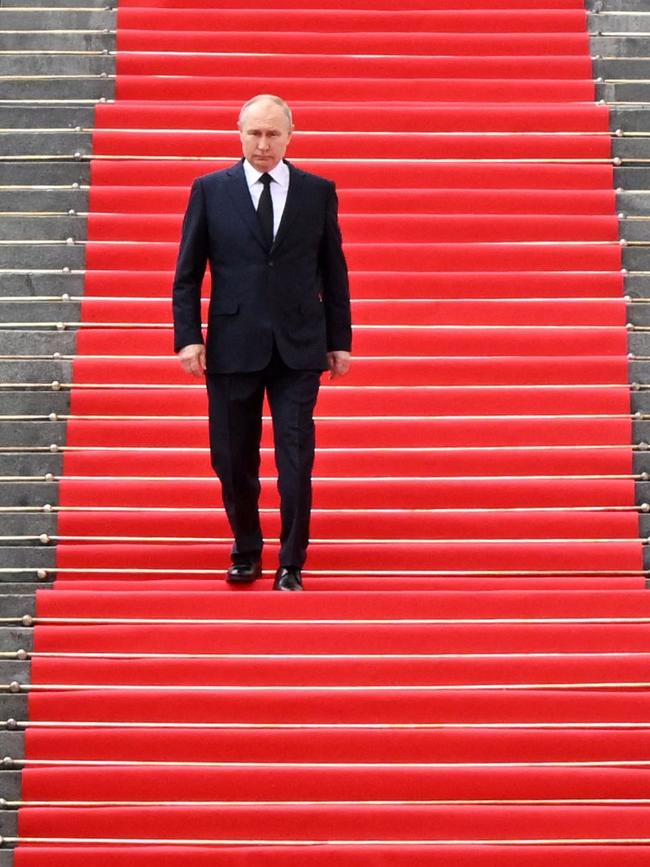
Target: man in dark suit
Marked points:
279	315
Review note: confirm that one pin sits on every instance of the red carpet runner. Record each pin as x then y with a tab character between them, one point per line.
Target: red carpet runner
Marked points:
481	443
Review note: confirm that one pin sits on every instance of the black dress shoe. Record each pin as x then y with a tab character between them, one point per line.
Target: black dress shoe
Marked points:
287	578
244	572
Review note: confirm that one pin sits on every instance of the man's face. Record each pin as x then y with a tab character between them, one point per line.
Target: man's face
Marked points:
264	134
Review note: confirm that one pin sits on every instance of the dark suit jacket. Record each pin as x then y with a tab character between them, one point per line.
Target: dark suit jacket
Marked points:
296	291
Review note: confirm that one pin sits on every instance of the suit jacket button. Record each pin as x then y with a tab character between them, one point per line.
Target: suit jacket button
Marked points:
270	263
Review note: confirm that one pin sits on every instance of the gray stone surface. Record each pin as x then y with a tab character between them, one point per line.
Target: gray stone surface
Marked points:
35	371
41	311
15	707
17	606
627	67
19	342
59	88
26	433
13	638
55	19
39	403
635	230
27	493
43	255
9	823
90	40
608	21
55	143
16	558
44	172
12	744
27	464
10	788
628	148
6	858
35	284
43	228
64	64
631	178
50	201
619	46
636	258
624	92
15	670
17	524
633	203
20	116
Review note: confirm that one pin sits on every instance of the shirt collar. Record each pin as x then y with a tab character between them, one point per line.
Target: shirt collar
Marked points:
280	174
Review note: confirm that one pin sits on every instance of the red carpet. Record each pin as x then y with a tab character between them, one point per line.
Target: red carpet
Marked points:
465	681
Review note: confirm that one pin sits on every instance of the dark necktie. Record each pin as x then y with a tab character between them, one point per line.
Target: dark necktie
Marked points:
265	209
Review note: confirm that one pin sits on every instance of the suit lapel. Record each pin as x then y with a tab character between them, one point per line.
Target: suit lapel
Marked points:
241	198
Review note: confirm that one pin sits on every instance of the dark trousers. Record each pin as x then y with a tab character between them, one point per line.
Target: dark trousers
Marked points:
235	408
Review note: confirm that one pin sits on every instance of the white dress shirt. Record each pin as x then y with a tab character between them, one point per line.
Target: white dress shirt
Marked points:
279	188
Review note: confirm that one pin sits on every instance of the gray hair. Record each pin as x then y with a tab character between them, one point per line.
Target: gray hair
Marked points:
262	97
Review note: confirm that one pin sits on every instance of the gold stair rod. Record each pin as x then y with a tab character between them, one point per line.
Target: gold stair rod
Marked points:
539	802
12	724
25	655
43	572
31	620
24	688
9	762
273	842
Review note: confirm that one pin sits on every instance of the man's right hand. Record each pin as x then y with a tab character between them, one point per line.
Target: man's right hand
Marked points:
192	359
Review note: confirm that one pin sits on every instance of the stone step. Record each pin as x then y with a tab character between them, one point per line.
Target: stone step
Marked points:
27	524
637	91
44	172
43	255
12	744
17	342
636	230
46	228
15	670
34	403
34	284
58	201
30	464
16	558
31	433
99	4
9	790
617	5
28	493
21	116
58	88
34	371
25	587
51	18
621	67
9	818
18	605
613	21
13	638
52	64
39	39
61	143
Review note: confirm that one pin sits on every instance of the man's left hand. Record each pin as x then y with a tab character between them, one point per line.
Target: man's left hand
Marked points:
338	363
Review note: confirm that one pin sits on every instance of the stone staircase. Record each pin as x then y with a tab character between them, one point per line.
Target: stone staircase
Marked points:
55	65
